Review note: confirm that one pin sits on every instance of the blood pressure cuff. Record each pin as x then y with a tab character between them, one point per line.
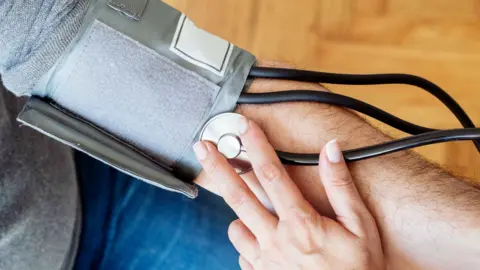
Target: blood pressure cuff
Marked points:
135	88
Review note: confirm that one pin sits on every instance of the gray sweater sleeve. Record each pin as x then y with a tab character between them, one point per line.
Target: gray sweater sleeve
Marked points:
33	35
39	209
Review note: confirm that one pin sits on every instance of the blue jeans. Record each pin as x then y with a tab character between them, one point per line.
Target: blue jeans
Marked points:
128	224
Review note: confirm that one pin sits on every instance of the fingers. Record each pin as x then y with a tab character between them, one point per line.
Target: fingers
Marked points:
244	241
249	178
252	182
244	264
206	183
282	191
341	191
234	191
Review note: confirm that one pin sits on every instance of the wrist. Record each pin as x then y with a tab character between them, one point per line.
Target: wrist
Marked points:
304	127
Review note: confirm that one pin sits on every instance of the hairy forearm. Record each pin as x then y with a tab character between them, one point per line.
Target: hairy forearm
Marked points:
423	212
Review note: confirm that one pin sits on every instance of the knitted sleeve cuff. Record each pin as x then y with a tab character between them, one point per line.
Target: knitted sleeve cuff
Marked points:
33	35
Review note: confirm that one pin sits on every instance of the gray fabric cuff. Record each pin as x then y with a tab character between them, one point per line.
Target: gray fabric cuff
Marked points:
142	71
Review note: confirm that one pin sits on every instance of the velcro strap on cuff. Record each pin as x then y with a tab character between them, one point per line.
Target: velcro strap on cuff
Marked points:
148	76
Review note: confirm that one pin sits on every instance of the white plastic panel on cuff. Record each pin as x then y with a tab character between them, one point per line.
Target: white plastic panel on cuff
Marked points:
201	48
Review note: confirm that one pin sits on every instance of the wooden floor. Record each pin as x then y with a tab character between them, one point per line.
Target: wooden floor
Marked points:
436	39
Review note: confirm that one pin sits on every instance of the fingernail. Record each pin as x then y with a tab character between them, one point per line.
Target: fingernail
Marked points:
242	125
334	154
200	150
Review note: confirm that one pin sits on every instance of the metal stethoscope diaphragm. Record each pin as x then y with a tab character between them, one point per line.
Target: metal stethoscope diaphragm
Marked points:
221	130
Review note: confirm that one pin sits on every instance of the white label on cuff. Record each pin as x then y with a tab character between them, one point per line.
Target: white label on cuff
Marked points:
201	48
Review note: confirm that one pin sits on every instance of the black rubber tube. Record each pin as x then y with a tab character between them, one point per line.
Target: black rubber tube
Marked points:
428	138
368	79
332	99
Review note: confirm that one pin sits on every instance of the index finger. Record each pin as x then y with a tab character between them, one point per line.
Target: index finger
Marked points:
234	191
282	191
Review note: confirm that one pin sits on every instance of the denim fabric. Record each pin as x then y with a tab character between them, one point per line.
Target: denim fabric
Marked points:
128	224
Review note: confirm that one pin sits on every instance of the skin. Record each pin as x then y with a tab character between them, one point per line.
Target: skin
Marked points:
298	237
422	212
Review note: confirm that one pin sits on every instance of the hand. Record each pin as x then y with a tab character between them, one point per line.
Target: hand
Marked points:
299	238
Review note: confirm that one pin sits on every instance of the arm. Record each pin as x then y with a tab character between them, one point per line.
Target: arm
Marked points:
402	198
33	35
423	213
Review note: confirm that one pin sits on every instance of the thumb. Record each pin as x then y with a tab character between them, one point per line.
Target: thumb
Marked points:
341	191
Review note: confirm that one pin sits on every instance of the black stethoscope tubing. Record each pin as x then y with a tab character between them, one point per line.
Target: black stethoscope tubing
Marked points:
421	135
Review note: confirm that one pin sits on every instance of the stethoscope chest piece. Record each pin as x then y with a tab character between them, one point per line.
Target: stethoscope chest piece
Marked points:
222	131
